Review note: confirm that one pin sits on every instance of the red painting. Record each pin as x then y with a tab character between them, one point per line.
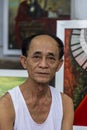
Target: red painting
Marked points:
75	74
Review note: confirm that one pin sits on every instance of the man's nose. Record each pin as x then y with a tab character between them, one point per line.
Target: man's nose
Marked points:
43	63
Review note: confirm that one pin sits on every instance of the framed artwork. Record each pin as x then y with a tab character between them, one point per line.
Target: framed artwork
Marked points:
23	18
14	77
73	33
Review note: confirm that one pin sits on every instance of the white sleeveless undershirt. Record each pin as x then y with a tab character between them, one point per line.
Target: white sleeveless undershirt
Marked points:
23	119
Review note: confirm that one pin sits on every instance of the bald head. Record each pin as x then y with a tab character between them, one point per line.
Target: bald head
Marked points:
42	38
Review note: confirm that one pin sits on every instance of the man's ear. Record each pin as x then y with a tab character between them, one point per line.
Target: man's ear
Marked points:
60	64
23	61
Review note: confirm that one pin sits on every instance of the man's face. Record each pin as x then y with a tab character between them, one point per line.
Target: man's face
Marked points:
43	59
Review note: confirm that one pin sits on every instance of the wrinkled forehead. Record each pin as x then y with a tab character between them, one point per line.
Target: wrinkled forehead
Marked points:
44	40
43	44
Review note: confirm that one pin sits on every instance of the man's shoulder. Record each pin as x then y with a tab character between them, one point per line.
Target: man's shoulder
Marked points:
6	104
68	111
5	100
66	98
67	103
7	114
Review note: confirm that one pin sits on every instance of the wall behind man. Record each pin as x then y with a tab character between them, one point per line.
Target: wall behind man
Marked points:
1	22
79	9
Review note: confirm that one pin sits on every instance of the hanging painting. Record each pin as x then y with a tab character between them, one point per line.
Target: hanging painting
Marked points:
74	83
23	18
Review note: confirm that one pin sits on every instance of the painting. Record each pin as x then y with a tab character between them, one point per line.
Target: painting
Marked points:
73	33
14	77
23	18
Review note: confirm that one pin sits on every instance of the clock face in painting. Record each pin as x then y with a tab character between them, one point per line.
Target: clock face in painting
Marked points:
79	47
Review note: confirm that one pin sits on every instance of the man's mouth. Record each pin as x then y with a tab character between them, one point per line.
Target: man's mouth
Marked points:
43	73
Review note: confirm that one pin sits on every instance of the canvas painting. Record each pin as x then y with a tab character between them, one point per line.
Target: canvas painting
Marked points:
10	79
74	35
23	18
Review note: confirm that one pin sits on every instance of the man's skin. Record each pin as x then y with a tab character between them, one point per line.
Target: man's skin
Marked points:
42	62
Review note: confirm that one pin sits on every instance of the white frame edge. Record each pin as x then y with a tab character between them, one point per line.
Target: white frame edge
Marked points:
7	51
12	73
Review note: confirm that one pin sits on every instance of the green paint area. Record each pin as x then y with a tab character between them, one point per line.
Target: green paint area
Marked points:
7	83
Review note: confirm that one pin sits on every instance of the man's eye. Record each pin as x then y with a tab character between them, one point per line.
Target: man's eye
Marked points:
36	56
51	58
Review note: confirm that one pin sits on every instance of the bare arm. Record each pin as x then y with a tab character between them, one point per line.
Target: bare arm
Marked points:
68	110
6	113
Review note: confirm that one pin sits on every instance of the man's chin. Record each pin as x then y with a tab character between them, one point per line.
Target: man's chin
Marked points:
43	82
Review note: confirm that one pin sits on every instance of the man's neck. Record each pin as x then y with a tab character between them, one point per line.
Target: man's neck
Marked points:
36	90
